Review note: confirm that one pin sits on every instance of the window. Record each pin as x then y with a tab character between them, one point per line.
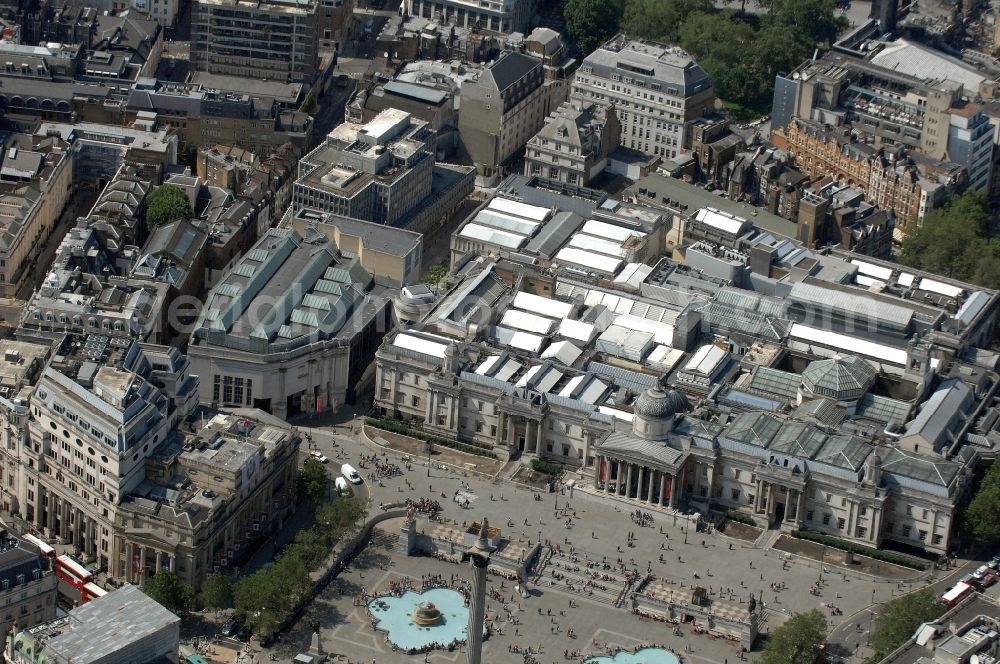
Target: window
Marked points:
227	389
840	524
829	497
937	540
926	515
565	450
826	519
737	473
906	531
750	498
923	535
736	494
909	510
493	430
863	511
809	515
415	401
479	427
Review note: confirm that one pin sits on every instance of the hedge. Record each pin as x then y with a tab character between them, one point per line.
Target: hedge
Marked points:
404	429
546	467
875	554
740	517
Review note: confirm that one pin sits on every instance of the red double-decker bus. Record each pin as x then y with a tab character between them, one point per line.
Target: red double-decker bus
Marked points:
47	551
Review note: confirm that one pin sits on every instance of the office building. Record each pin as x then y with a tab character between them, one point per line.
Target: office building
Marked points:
27	585
88	291
272	40
500	110
378	172
123	626
907	182
498	16
20	369
101	408
895	94
36	180
656	91
202	115
213	492
574	145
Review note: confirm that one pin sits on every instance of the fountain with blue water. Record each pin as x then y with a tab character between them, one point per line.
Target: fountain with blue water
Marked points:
644	656
415	621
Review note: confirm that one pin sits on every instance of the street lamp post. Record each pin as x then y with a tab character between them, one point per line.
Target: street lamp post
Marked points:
871	620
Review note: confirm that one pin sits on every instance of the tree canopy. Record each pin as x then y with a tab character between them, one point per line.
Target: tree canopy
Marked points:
313	482
742	54
168	589
266	598
900	619
982	517
217	592
591	22
167	203
798	641
954	241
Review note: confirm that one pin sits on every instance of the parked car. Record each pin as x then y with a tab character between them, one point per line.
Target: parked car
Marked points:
319	457
243	634
980	572
988	580
340	484
994	563
231	627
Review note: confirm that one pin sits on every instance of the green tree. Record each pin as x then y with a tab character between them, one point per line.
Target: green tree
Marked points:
338	519
953	241
167	203
170	590
263	600
982	517
900	618
814	21
217	592
660	19
798	641
313	482
592	22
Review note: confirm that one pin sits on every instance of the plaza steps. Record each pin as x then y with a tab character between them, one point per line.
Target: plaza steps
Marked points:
613	594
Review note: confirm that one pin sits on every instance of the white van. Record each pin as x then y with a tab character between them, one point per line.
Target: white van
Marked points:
340	484
347	470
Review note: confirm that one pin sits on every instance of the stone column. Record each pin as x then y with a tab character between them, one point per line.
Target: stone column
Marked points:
663	488
628	485
597	474
478	556
142	566
654	484
756	497
129	563
159	561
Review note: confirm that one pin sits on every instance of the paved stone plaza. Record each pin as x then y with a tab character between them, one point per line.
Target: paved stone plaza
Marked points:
599	531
